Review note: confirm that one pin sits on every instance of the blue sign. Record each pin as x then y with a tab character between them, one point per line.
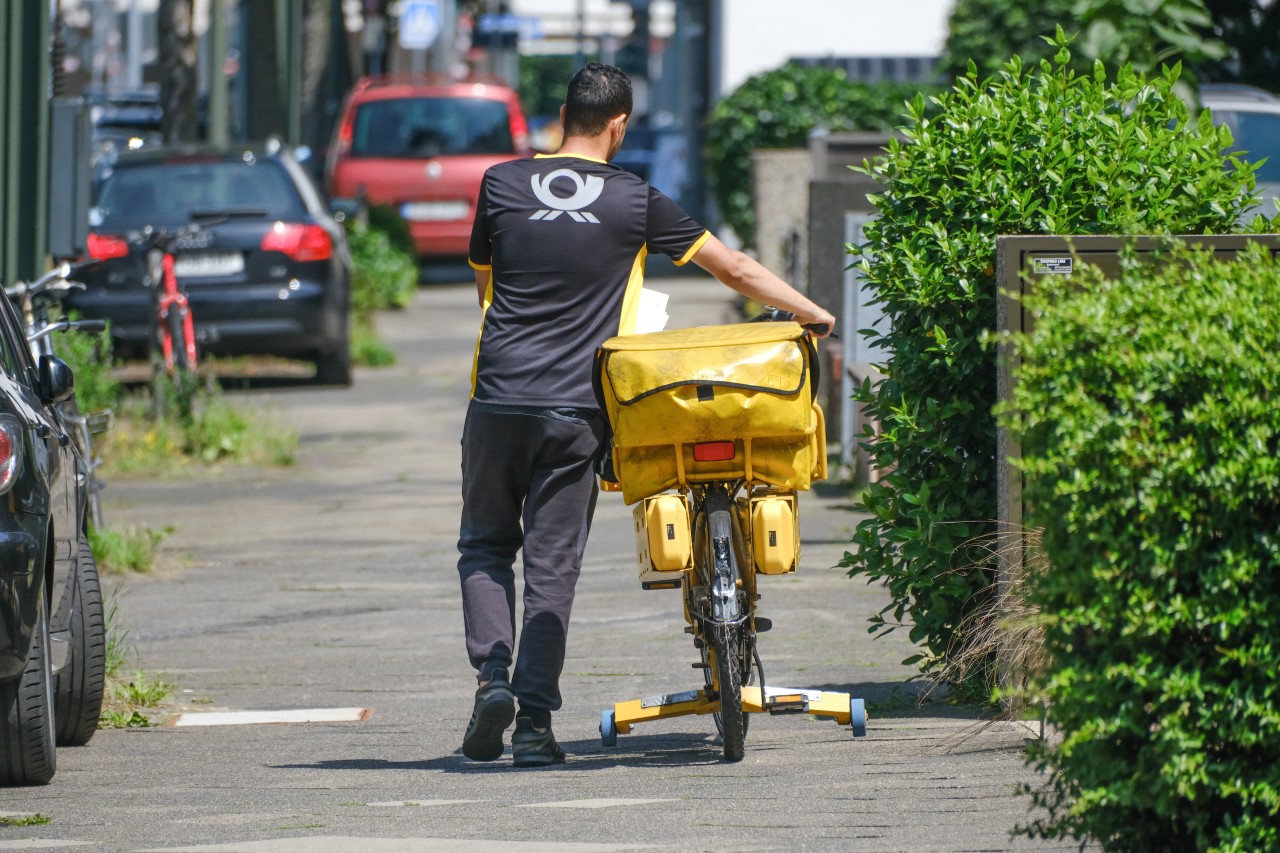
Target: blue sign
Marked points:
420	23
529	28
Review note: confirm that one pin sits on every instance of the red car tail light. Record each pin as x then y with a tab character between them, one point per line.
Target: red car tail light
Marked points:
519	131
345	133
103	247
10	452
713	451
300	242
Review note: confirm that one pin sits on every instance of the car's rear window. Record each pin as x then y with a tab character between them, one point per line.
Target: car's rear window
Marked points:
160	192
430	127
1259	135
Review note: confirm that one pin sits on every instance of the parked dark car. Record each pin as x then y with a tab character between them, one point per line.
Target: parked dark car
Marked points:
123	120
52	636
270	276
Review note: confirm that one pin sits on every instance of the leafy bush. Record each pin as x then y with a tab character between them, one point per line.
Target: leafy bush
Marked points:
778	109
988	32
1044	152
1151	442
384	275
89	356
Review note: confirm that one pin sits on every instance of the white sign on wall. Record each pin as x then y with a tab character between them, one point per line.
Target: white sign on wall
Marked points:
420	23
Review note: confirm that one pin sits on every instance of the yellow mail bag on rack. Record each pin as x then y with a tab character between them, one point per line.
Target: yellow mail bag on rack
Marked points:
712	403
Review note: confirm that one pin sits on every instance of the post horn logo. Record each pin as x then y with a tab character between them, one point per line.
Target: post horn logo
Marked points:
586	192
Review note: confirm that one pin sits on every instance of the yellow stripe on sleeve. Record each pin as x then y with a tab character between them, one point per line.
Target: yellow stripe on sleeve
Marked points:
693	250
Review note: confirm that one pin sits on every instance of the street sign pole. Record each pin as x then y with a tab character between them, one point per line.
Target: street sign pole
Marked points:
421	25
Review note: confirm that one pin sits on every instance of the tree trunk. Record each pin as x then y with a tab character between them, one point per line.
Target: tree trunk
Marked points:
177	61
265	113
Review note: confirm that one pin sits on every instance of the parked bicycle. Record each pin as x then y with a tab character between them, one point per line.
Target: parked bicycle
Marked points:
38	301
725	416
173	338
174	326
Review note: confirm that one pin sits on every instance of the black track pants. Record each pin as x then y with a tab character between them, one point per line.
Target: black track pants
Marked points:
528	481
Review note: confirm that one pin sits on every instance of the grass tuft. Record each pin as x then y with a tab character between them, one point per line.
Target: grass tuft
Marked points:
1001	643
119	550
36	819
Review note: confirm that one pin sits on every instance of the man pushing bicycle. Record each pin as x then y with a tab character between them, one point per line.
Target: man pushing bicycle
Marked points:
558	247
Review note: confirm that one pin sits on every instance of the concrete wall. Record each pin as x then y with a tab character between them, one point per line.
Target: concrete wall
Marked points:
780	190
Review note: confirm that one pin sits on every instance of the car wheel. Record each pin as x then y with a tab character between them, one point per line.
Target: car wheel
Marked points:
79	686
27	754
334	369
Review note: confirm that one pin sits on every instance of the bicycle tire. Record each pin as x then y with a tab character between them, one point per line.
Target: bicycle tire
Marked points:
726	630
179	342
79	686
711	680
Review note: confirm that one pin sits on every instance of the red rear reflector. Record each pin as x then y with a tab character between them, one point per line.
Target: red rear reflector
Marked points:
713	451
102	247
300	242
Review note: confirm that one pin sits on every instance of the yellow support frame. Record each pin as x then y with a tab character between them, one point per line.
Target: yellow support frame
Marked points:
817	703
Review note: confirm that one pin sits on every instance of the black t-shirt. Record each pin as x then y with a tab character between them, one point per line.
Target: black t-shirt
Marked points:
565	238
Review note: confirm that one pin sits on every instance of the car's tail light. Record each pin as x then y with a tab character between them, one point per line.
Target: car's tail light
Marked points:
10	451
519	131
713	451
103	247
300	242
345	133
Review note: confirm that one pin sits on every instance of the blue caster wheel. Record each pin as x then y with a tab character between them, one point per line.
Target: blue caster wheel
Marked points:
608	729
858	717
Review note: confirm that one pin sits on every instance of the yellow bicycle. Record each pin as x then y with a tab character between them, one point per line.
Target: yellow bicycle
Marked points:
714	431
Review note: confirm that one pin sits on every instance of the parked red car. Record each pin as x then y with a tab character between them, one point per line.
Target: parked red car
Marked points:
422	145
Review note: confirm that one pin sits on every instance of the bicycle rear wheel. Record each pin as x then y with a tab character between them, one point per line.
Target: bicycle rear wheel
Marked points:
725	629
180	341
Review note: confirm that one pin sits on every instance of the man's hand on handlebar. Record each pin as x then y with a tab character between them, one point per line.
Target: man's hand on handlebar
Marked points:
821	325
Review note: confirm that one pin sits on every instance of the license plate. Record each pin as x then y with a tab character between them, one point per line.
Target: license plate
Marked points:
208	265
433	211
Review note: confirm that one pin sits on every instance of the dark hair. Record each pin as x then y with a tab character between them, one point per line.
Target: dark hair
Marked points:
597	93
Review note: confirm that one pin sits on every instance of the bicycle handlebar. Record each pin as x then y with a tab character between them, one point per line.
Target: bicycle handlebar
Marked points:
55	282
777	315
65	325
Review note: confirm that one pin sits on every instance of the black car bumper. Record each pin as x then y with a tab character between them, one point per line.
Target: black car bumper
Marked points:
295	318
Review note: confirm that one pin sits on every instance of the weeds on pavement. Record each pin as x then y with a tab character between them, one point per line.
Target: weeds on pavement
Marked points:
132	548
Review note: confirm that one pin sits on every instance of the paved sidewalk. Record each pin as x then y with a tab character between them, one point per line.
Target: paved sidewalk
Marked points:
331	585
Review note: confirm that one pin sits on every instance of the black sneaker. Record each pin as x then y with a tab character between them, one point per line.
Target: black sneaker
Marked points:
533	748
494	709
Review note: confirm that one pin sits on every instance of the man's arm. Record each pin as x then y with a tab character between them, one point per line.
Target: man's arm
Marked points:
747	276
482	283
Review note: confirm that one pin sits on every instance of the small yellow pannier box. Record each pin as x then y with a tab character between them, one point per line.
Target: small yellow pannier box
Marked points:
663	543
713	403
775	534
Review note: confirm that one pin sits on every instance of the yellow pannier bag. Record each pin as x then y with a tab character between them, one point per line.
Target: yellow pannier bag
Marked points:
712	403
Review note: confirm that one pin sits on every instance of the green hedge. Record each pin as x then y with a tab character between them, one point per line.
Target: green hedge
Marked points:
1151	437
384	274
1038	152
778	109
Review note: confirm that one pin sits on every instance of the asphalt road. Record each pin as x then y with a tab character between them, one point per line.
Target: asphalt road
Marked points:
331	585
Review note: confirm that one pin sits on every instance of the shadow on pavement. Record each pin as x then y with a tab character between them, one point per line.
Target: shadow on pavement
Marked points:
659	750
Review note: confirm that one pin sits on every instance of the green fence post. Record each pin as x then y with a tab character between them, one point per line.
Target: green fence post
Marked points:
24	137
